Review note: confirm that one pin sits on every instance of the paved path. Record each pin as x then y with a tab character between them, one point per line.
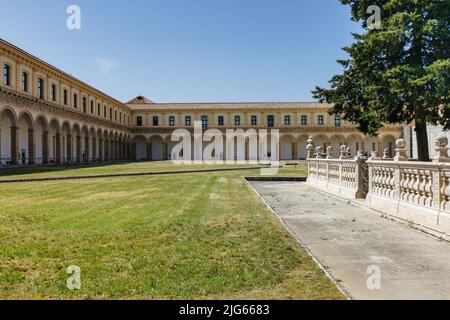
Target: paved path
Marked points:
348	239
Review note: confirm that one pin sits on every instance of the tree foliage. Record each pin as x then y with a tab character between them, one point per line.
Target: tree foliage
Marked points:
399	73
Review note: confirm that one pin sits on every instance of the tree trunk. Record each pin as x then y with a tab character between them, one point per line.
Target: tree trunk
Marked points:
422	139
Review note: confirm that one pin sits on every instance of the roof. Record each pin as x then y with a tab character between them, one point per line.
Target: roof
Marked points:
230	106
140	100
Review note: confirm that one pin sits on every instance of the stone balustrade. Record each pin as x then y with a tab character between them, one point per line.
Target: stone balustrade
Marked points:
416	192
343	177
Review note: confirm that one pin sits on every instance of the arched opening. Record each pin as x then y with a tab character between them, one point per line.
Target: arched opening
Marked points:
157	144
336	141
8	151
388	145
26	139
302	141
54	146
41	136
76	144
355	143
66	142
287	147
85	155
93	145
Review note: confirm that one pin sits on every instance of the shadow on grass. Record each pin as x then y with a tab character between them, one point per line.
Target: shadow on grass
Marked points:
5	172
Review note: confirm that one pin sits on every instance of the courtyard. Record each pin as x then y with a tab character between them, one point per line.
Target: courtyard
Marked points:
179	236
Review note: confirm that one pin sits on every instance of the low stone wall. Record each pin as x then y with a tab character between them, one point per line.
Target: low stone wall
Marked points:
415	192
418	192
337	176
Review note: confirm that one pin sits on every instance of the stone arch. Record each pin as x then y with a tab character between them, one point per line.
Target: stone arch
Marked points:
388	142
66	135
25	130
54	146
356	143
322	141
41	137
288	147
139	148
156	143
8	136
76	143
336	141
302	141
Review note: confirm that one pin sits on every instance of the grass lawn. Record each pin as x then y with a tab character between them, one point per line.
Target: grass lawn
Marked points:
186	236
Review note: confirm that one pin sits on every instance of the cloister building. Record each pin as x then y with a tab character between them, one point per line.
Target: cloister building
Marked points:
49	117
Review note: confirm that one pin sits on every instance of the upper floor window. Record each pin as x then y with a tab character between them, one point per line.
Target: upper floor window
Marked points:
110	114
304	120
254	121
237	120
104	111
337	120
320	120
115	115
139	121
24	81
287	120
204	122
53	92
6	75
40	87
75	100
187	120
99	107
155	121
84	104
65	97
270	121
92	106
172	121
220	121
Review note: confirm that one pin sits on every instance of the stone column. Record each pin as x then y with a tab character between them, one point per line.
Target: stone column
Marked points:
78	146
149	152
58	148
45	147
31	146
14	145
69	149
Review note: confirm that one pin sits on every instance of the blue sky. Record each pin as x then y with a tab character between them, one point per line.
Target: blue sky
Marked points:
188	50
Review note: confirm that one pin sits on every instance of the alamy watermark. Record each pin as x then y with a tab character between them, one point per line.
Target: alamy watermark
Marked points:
74	280
73	21
374	21
374	279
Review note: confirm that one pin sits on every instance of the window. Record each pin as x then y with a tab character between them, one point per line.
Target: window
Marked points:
120	117
287	120
40	88
92	106
24	81
99	107
6	75
104	111
187	120
220	121
155	121
172	121
115	115
139	121
304	120
237	120
110	114
53	92
75	100
270	121
84	104
337	120
65	97
254	121
204	122
320	120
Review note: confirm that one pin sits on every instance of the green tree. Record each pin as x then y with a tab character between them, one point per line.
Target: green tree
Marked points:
398	73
